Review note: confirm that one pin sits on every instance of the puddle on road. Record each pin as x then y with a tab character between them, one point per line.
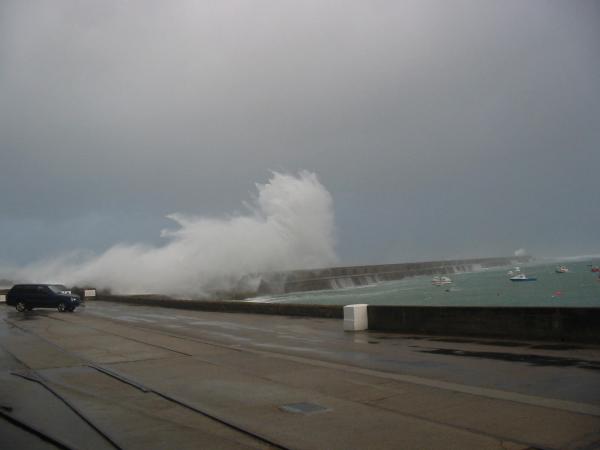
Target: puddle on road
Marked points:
556	347
535	360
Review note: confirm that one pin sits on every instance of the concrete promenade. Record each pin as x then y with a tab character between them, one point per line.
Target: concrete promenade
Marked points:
132	377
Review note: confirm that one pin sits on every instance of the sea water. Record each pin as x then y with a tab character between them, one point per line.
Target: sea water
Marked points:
579	287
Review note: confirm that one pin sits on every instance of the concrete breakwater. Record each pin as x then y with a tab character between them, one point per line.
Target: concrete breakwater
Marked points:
533	323
537	324
351	276
229	306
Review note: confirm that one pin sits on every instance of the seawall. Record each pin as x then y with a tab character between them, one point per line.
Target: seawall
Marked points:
350	276
229	306
535	323
546	324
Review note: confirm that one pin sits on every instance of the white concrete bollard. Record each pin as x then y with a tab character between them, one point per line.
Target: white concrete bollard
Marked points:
355	318
2	298
89	293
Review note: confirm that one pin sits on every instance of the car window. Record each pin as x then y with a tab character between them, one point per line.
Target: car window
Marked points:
58	288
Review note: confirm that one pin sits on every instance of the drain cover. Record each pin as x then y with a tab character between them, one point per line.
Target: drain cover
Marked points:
304	408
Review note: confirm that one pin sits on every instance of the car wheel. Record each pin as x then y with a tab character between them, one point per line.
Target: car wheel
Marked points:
71	308
61	307
20	306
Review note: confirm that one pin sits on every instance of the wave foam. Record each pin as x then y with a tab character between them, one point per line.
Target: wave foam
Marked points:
290	225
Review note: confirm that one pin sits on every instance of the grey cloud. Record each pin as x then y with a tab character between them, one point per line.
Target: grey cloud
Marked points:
441	129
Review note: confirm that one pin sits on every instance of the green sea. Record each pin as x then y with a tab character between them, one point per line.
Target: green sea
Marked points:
579	287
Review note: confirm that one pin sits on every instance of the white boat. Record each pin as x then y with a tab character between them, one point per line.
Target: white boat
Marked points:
562	269
522	277
440	281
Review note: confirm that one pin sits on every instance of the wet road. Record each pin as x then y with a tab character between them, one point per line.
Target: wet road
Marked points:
552	370
163	378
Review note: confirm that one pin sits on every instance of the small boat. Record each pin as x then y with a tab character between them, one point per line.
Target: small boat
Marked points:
562	269
440	281
522	277
595	269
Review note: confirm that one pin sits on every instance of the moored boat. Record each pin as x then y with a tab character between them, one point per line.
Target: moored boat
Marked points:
561	269
441	281
522	277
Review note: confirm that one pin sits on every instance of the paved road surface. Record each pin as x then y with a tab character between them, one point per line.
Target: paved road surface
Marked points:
120	376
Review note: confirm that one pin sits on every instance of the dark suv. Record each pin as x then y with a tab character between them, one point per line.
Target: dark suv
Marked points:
29	296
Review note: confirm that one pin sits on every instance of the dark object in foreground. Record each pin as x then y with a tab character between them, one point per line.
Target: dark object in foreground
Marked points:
25	297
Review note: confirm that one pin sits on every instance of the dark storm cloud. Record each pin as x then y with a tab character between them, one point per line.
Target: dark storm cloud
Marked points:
441	129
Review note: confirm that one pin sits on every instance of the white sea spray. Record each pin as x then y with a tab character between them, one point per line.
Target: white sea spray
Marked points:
288	225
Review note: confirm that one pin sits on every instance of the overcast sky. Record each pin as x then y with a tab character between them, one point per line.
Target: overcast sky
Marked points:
441	129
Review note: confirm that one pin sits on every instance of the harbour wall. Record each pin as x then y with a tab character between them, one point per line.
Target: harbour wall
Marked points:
536	323
351	276
277	283
229	306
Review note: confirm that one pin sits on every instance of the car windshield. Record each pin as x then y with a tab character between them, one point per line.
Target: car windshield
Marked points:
58	288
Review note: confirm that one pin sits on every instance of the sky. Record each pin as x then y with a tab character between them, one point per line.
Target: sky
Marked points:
439	129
